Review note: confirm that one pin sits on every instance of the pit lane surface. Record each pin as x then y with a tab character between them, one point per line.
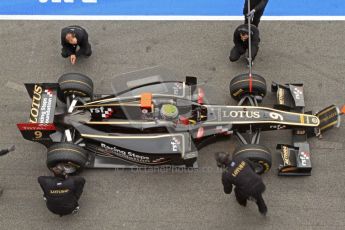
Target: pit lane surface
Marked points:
307	52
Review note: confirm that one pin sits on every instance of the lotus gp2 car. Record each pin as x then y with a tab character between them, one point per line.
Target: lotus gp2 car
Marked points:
150	121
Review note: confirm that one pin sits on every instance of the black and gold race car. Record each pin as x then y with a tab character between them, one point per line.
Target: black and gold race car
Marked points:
150	121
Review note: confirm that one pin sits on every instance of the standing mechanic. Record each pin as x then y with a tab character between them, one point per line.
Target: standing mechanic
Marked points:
241	41
4	152
257	8
240	173
62	192
75	43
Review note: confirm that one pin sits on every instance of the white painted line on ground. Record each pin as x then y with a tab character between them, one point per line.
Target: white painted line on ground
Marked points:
166	18
15	86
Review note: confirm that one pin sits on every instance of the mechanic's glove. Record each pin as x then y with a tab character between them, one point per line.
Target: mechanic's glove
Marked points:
73	59
251	13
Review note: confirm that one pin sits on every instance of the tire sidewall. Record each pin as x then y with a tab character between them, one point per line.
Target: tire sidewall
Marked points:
67	153
240	86
75	83
255	153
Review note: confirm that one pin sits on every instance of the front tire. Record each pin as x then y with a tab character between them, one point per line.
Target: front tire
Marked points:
240	86
258	154
70	155
75	84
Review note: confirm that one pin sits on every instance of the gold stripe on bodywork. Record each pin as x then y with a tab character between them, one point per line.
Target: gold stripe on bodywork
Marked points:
327	110
302	119
111	104
328	125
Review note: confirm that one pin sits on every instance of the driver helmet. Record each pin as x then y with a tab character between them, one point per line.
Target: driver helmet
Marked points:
169	111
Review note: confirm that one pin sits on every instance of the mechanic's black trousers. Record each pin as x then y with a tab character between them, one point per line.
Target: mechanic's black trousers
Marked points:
238	50
256	19
242	199
83	51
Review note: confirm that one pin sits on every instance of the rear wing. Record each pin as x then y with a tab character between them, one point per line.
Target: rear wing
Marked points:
41	119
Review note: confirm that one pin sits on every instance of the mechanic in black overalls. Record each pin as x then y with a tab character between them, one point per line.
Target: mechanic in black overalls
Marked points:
248	184
257	8
2	153
75	43
241	41
61	192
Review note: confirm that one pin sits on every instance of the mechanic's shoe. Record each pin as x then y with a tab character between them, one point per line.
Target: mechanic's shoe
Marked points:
263	211
242	202
76	211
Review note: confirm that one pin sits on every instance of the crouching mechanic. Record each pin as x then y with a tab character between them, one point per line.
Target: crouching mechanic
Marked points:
75	43
240	173
61	192
241	41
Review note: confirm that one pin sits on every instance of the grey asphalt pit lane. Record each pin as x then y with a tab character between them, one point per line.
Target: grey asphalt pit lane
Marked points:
15	86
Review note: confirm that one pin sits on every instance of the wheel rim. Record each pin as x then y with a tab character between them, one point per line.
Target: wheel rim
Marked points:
258	167
69	167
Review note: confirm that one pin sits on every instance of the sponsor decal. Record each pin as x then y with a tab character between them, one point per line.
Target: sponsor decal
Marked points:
329	117
238	92
175	143
59	191
125	154
41	105
277	127
286	156
304	157
238	169
297	91
105	113
46	106
67	1
177	88
241	114
300	132
35	126
35	105
276	116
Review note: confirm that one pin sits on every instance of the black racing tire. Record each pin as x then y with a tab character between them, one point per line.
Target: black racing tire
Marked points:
75	83
240	86
71	154
258	154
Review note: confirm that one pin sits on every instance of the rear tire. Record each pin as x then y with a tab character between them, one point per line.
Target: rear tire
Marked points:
75	83
240	86
258	154
67	153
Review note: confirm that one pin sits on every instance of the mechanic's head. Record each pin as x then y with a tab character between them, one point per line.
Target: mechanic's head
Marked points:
223	159
71	38
244	36
59	171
